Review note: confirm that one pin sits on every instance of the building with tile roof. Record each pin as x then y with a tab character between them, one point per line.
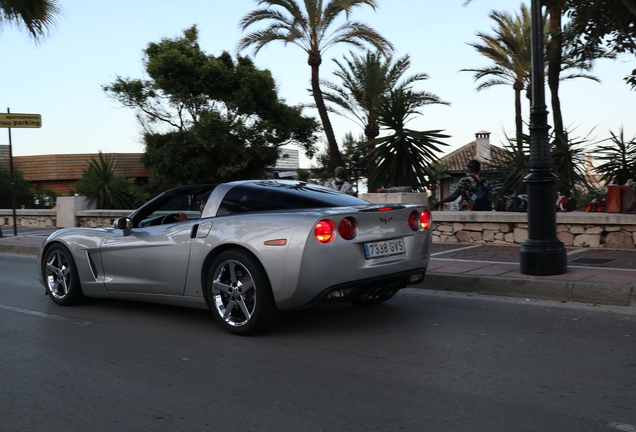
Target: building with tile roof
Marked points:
60	172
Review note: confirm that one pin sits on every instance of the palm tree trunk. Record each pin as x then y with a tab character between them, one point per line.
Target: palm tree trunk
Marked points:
555	52
334	152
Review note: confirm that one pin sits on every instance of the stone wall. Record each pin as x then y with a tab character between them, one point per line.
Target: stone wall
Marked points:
611	230
49	218
29	218
99	218
573	229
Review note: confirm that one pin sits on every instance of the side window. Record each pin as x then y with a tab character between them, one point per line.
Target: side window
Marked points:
185	204
246	199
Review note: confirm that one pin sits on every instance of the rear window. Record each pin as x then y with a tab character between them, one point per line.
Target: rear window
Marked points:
268	196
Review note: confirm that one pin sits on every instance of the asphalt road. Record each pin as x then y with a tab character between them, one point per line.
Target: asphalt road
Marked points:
423	361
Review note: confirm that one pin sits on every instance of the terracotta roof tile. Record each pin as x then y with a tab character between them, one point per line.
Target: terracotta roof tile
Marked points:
72	166
456	160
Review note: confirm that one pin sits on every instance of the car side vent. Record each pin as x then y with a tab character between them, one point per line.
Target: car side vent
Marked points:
92	265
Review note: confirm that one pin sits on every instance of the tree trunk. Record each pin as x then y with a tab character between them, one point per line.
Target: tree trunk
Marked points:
555	52
334	153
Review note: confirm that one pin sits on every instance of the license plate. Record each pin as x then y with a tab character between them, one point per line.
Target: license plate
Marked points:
384	248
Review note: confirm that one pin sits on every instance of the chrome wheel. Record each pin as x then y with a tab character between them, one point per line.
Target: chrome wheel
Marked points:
60	275
239	294
233	293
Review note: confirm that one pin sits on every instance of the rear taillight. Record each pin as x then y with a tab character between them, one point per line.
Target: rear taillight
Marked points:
425	219
419	221
324	230
413	217
347	228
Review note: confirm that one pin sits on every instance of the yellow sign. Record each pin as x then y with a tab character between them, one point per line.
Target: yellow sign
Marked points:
10	120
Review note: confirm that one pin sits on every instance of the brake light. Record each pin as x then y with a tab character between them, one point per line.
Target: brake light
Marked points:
324	230
347	228
425	219
413	220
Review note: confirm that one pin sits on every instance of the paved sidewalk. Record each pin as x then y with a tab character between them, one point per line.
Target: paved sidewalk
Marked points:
594	276
28	240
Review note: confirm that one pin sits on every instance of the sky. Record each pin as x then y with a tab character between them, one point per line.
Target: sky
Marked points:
92	43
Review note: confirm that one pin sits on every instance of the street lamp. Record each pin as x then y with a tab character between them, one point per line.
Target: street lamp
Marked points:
542	253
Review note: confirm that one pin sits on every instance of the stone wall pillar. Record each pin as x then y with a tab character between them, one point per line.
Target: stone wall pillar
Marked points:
67	208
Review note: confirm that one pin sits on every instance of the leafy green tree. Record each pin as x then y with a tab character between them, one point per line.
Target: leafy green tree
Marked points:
403	157
353	157
313	27
37	16
618	157
603	23
365	80
22	189
43	198
105	188
209	119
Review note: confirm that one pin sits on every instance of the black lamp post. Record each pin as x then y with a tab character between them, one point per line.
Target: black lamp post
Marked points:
542	253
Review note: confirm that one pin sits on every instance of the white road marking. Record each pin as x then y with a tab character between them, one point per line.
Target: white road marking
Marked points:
455	250
622	427
45	315
517	263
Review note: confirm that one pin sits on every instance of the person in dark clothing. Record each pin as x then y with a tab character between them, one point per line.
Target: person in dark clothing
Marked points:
467	187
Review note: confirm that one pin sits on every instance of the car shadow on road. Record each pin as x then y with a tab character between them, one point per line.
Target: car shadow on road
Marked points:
334	318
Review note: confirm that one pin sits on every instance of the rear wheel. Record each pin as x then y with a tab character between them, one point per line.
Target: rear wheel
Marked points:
239	293
60	276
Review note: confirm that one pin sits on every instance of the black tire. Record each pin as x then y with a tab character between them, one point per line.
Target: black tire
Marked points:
61	277
373	297
239	293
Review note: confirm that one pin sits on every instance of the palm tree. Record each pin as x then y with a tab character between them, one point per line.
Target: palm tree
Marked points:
104	187
365	80
402	158
619	159
509	49
313	28
36	15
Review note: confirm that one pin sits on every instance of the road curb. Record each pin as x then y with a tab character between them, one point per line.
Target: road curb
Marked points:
539	289
19	249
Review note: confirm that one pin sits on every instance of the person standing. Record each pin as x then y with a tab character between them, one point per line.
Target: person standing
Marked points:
340	182
473	189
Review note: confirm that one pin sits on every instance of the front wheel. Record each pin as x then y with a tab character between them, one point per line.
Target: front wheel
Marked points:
60	276
239	293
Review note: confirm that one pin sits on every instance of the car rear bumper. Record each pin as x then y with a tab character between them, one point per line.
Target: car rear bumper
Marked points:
349	291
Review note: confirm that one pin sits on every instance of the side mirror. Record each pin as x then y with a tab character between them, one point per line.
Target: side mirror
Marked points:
123	223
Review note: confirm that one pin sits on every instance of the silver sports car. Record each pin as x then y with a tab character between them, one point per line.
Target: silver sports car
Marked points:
246	250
